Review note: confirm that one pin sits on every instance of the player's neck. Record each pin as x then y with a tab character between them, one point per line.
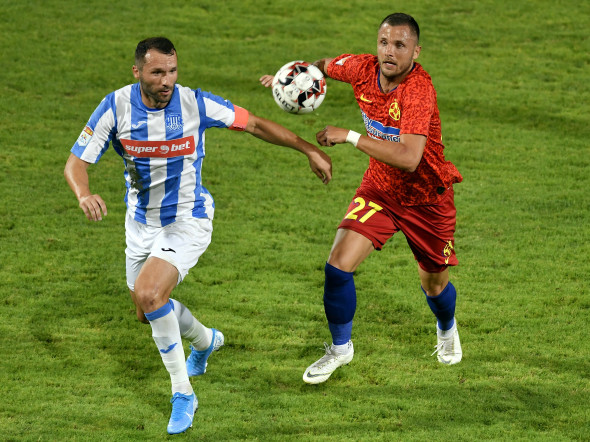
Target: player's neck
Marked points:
388	84
153	104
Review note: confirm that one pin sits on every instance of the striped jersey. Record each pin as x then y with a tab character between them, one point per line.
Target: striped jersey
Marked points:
410	108
163	149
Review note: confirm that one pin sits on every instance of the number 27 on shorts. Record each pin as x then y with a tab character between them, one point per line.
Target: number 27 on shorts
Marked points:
361	206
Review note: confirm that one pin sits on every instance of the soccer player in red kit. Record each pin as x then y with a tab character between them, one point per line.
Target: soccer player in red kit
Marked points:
408	187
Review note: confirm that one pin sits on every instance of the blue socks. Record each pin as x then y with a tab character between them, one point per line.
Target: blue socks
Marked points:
339	303
341	333
443	306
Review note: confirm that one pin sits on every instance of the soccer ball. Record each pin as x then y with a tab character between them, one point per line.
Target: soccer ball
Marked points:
299	87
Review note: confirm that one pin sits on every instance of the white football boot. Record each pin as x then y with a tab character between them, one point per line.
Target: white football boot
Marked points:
323	368
448	350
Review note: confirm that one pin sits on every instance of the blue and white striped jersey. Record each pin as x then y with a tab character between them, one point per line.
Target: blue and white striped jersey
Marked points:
163	149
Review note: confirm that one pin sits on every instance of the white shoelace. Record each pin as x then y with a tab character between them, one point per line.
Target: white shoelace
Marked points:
445	346
327	357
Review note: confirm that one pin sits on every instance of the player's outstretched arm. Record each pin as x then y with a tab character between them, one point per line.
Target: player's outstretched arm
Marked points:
77	177
405	154
274	133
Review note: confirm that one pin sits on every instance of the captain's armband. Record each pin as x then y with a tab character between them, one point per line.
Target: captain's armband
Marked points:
241	119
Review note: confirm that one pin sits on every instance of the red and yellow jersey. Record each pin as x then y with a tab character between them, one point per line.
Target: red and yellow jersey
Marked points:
410	108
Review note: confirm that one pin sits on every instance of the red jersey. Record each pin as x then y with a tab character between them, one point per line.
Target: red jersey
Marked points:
409	109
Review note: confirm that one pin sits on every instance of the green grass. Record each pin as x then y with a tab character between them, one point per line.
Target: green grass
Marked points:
512	81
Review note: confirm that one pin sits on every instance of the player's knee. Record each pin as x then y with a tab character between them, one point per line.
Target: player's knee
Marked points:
148	297
433	289
433	281
142	292
341	261
138	311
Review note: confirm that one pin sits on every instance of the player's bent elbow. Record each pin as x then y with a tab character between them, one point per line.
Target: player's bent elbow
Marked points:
405	160
410	166
404	166
413	164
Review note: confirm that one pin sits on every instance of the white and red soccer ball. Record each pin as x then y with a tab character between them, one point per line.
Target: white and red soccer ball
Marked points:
299	87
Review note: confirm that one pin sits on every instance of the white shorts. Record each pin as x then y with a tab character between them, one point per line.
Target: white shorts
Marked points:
181	244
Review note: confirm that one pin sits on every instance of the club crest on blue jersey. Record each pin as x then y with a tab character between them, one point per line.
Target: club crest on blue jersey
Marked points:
174	122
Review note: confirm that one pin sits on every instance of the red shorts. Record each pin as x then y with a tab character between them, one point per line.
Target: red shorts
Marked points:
429	229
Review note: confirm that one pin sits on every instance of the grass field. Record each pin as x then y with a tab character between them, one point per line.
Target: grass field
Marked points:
513	88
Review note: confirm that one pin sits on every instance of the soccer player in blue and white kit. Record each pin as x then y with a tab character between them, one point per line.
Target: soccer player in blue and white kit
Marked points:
158	128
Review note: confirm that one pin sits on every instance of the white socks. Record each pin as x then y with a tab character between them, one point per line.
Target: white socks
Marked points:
170	323
446	334
190	328
166	334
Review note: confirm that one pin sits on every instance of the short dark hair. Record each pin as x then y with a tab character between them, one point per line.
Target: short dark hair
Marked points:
399	19
160	44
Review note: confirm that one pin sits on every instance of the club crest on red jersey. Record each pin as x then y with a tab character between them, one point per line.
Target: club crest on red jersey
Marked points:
394	111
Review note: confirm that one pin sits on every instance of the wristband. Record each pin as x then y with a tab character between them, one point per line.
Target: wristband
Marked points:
353	137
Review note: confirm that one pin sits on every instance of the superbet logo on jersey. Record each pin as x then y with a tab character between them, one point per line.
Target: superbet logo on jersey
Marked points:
160	149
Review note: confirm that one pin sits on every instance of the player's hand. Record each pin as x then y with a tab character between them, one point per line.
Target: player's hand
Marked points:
331	135
94	207
266	80
321	165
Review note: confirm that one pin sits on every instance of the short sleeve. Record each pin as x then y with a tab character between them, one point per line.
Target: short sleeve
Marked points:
95	137
346	67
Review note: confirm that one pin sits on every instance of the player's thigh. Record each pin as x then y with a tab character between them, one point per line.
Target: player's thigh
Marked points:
367	226
349	250
155	282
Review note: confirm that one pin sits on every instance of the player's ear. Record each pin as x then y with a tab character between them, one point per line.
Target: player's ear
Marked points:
417	50
136	72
